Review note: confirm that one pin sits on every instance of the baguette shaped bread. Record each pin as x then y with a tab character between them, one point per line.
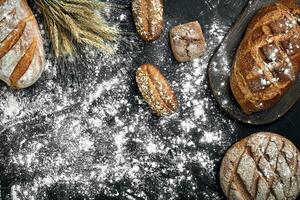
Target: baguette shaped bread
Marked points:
21	47
268	59
263	166
156	90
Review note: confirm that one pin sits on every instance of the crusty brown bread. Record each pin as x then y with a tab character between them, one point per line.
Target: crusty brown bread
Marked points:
148	18
156	90
268	59
187	41
21	46
263	166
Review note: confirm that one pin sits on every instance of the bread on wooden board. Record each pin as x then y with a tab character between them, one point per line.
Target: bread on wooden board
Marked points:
148	18
21	47
267	61
156	90
263	166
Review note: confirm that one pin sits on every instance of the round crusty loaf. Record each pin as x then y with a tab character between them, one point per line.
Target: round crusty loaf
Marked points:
263	166
21	46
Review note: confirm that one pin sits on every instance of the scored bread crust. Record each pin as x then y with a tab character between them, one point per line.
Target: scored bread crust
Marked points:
263	166
265	66
156	90
22	55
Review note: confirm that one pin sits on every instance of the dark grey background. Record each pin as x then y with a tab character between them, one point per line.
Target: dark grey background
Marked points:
182	11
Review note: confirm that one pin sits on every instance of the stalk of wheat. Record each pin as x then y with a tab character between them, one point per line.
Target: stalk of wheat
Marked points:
72	22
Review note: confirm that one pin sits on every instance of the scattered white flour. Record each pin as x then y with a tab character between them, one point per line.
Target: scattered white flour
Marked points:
10	108
100	139
123	17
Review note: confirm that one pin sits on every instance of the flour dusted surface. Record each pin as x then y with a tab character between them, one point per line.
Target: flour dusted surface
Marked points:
100	139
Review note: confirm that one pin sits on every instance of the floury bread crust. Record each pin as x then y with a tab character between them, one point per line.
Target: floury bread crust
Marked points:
148	18
268	59
187	41
263	166
21	47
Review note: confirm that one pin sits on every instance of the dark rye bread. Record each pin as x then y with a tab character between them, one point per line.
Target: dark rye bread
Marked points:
187	41
21	46
156	90
268	59
263	166
148	18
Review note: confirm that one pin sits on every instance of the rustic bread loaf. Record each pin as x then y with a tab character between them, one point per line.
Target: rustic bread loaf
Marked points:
21	47
268	59
148	18
156	90
263	166
187	41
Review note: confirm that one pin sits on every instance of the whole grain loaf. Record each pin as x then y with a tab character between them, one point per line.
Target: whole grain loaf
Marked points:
156	90
148	18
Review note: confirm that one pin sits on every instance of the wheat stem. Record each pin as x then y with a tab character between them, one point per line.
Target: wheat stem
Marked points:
73	22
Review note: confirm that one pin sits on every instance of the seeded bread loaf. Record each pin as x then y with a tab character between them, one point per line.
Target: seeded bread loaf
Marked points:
21	47
148	18
263	166
156	90
268	59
